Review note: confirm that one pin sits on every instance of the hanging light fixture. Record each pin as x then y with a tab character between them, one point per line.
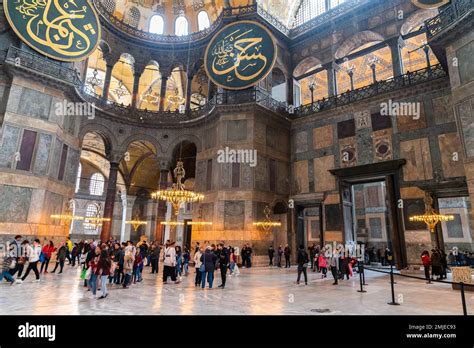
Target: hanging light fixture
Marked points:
178	193
430	218
136	223
267	224
68	214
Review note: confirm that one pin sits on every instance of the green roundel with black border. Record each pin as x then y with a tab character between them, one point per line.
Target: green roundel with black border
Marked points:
240	55
430	4
65	30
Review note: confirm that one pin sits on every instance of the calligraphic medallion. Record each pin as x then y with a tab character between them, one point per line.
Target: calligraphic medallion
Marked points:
240	55
66	30
430	4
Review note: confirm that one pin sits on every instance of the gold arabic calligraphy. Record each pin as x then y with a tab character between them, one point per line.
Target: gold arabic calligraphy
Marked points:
53	25
238	53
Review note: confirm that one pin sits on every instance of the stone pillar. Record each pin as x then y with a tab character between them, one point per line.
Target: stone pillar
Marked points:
210	90
110	197
290	91
396	52
161	205
136	85
332	86
129	216
150	227
164	83
108	78
189	92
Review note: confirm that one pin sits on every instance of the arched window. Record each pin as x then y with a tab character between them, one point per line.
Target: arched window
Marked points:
132	17
78	178
91	211
181	26
96	187
157	25
203	20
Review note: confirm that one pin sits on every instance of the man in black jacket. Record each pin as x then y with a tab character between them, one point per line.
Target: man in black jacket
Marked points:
271	253
303	260
223	258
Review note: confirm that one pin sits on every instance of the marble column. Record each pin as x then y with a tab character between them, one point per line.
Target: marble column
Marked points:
110	198
396	52
161	205
108	78
189	86
150	227
136	85
290	91
332	85
129	217
164	84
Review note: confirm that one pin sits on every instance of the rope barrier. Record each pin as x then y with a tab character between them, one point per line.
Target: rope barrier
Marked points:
362	268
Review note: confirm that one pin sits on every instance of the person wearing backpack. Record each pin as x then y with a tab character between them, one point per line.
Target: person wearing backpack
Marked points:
47	251
60	258
208	266
303	260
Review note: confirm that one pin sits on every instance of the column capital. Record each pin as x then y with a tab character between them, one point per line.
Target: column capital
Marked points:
114	158
165	163
111	60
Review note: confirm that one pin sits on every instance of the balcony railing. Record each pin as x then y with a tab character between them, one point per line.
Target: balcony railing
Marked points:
140	116
22	59
380	87
147	36
448	16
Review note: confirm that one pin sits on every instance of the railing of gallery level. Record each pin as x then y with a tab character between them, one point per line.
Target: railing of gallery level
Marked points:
448	16
380	87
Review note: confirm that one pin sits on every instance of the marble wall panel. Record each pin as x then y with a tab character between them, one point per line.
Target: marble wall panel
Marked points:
443	109
466	68
466	120
380	122
346	129
262	181
323	179
301	177
72	164
301	142
9	145
42	154
333	217
234	215
53	205
409	123
246	177
237	130
418	157
201	176
56	158
323	137
451	155
14	203
210	138
283	178
35	104
225	176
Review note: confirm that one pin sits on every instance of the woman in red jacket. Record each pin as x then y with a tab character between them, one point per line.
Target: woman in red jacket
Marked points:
47	251
426	261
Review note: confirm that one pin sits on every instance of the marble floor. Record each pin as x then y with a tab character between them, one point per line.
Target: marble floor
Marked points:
257	291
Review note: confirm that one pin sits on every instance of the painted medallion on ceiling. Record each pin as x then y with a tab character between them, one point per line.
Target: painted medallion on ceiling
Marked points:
66	30
240	55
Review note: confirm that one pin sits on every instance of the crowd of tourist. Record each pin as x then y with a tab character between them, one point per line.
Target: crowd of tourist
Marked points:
122	264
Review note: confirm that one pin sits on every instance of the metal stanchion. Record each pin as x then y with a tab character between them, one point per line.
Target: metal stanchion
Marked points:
463	299
393	303
361	272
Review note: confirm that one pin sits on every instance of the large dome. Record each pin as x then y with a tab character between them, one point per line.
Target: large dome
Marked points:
184	17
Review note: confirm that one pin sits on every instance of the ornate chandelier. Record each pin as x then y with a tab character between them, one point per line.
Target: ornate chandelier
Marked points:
267	224
68	215
136	223
178	193
430	218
